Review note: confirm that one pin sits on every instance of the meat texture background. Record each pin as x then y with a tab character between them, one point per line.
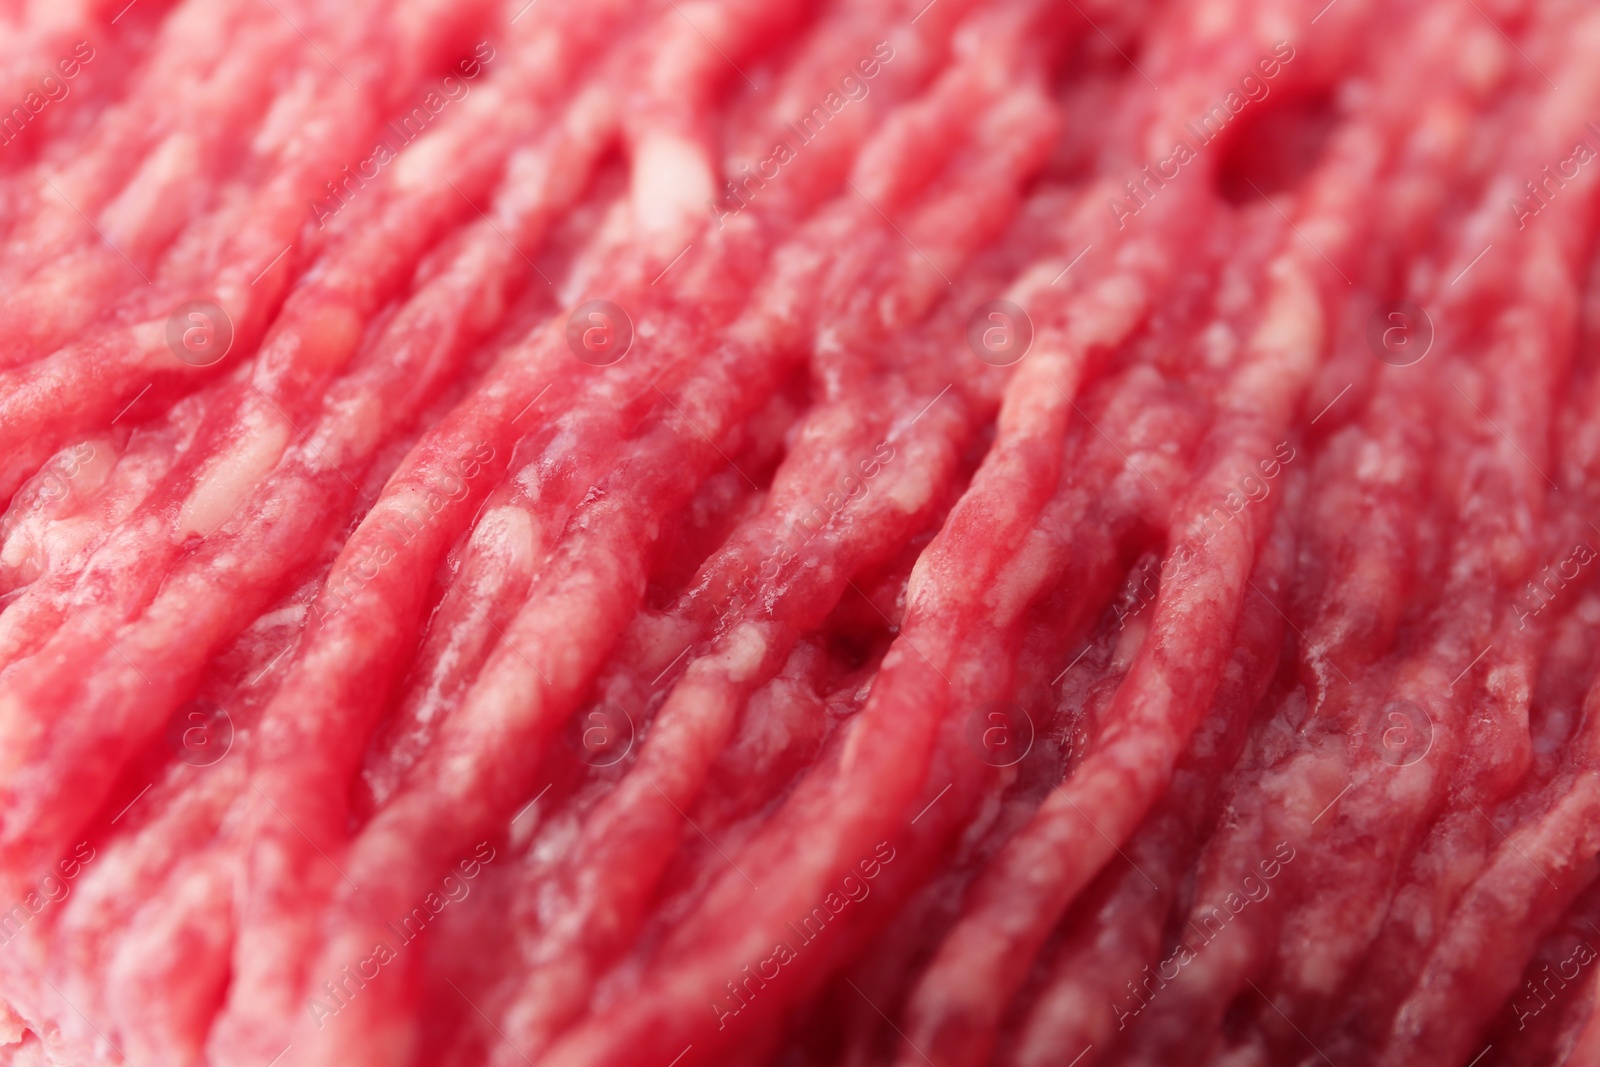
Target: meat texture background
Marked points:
590	533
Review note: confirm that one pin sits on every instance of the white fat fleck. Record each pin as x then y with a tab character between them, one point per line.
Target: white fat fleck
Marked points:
529	174
18	730
1214	19
509	533
1219	343
426	162
1376	465
150	338
1129	641
1033	281
231	476
742	652
1021	579
671	181
1293	323
58	288
287	117
1115	304
910	491
147	199
18	548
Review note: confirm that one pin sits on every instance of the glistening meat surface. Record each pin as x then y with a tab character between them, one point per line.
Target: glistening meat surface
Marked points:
599	533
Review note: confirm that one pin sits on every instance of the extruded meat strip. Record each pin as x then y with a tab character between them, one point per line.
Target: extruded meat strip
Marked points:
157	1001
644	1023
56	44
465	629
1495	771
1490	766
160	999
1158	705
314	170
52	511
136	537
892	245
129	128
693	726
633	828
505	398
134	214
1543	1022
855	210
509	413
1008	915
1154	431
1076	521
1491	761
1107	488
1205	976
217	57
1533	874
49	548
1092	971
123	361
217	441
70	940
274	416
1083	999
1317	640
1156	852
1102	962
506	416
134	219
489	700
342	430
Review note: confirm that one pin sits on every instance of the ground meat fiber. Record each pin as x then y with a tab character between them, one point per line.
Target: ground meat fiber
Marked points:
634	533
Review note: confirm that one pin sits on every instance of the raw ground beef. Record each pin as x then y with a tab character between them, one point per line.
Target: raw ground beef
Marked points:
649	533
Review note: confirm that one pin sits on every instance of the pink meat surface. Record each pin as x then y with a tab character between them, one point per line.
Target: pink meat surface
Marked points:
634	533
